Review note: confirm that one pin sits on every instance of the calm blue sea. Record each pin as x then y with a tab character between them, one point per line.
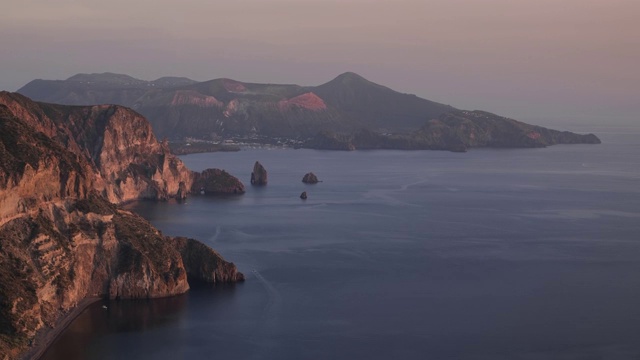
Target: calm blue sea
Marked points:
490	254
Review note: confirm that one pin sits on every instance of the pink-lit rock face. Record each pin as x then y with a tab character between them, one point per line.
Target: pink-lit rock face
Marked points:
308	101
190	97
534	135
232	108
233	86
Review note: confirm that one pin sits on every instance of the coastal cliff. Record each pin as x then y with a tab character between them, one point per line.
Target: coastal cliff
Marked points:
63	238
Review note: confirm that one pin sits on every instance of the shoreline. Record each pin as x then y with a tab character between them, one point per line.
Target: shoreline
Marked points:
47	337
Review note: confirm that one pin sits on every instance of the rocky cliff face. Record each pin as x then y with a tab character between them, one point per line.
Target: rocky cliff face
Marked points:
117	142
129	162
61	237
203	263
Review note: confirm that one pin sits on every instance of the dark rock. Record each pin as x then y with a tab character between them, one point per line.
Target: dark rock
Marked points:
303	196
204	264
216	182
310	178
259	175
182	191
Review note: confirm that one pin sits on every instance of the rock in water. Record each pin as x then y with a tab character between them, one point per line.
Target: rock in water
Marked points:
182	191
216	182
303	196
310	178
259	175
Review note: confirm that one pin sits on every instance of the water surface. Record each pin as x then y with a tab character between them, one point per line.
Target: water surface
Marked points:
491	254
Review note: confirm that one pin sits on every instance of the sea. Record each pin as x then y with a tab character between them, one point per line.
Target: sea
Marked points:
489	254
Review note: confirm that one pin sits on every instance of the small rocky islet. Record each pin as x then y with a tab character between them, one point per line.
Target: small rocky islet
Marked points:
258	175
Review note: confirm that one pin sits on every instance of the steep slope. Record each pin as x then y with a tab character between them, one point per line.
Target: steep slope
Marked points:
61	240
377	106
116	141
226	108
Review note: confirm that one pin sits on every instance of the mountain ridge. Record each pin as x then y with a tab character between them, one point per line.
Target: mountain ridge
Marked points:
224	108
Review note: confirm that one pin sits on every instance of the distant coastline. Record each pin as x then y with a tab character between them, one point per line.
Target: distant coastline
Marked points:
187	147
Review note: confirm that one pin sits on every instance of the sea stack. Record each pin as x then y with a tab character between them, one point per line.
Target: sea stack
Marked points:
310	178
259	175
303	196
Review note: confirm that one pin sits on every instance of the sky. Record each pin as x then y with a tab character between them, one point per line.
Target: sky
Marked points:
546	59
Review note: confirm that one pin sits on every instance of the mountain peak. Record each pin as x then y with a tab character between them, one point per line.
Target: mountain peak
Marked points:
350	77
351	80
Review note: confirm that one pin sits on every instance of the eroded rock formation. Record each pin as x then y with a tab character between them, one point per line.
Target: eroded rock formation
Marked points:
128	161
259	175
203	263
310	178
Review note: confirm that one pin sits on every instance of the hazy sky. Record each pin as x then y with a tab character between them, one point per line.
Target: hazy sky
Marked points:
574	59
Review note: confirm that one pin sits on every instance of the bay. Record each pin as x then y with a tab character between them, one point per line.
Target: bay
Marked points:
490	254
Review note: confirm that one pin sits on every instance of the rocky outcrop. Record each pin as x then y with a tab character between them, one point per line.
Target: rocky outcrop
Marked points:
258	175
128	161
216	182
310	178
204	264
182	191
303	196
61	238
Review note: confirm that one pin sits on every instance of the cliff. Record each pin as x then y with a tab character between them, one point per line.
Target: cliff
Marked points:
129	162
116	142
63	237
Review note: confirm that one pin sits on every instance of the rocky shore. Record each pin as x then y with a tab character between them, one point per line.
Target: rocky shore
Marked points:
64	171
